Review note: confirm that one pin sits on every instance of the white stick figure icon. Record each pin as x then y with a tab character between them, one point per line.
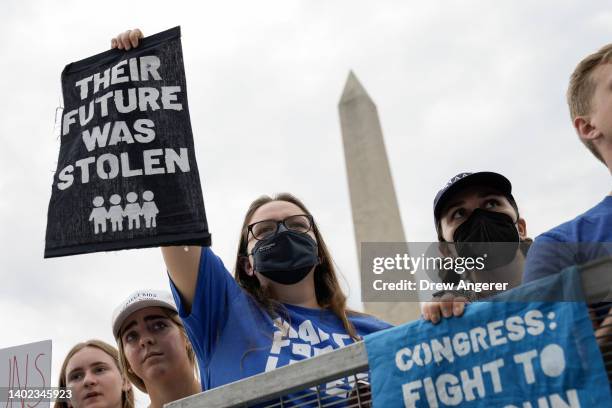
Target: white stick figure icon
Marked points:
149	209
115	213
98	215
132	211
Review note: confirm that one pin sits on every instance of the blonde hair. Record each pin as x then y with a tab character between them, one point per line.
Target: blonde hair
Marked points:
127	397
582	88
125	365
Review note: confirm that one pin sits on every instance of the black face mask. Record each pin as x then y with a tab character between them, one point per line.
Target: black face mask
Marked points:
488	232
287	257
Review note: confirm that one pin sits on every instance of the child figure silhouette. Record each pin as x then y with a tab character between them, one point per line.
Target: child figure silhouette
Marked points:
98	215
149	209
115	213
132	211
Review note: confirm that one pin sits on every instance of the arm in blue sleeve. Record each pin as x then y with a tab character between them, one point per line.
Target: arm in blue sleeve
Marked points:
215	290
547	256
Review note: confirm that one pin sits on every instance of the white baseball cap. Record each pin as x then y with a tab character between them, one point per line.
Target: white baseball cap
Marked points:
139	300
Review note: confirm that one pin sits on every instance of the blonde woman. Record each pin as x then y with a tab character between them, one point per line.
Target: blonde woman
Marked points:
91	371
154	351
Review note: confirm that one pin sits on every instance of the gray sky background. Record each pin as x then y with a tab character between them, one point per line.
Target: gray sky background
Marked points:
460	86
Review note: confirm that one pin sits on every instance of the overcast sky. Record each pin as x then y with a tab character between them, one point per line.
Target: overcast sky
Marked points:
460	86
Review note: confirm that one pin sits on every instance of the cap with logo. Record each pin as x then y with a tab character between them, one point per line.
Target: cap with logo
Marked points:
464	180
139	300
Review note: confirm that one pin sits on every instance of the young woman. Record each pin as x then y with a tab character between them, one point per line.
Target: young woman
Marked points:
284	303
91	371
154	351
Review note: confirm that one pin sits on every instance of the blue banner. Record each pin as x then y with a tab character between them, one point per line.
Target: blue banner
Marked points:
498	354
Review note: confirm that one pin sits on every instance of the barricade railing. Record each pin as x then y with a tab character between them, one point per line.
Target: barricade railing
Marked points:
274	389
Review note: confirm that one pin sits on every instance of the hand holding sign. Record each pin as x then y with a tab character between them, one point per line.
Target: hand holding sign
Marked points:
448	305
127	175
127	39
601	318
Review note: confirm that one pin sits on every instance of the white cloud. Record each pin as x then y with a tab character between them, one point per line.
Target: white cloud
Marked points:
459	86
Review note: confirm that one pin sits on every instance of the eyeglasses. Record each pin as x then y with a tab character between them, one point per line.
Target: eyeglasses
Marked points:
267	228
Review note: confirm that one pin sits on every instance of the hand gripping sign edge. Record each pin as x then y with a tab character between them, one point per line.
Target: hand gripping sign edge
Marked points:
127	176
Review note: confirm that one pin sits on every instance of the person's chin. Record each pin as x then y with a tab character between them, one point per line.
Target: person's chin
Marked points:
156	366
94	402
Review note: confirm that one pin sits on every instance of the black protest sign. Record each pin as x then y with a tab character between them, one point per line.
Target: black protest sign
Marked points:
126	173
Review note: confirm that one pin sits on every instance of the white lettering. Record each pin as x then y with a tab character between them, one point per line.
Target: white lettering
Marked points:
68	120
83	164
147	134
169	97
66	178
113	164
150	160
96	136
149	65
181	160
116	71
525	359
125	167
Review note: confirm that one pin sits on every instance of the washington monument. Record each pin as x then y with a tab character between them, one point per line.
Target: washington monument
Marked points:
376	216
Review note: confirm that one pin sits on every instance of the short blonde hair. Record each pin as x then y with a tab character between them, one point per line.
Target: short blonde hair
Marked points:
125	365
127	397
582	88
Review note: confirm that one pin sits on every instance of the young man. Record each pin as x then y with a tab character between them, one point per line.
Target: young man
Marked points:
589	97
478	208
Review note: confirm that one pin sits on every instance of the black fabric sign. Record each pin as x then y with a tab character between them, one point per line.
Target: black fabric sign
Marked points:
126	174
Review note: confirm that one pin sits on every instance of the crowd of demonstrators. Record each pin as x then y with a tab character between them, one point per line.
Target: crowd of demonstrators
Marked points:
477	208
91	370
284	302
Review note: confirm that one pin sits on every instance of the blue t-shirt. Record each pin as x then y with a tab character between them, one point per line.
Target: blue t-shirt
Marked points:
234	337
585	238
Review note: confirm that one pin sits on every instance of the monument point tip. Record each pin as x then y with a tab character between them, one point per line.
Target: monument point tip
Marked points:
353	89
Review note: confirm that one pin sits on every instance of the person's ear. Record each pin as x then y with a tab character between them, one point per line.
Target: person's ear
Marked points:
585	129
246	264
521	225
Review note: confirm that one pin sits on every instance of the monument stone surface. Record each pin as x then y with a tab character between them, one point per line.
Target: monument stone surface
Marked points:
376	216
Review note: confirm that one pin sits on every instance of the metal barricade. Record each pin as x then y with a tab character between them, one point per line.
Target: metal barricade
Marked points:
274	389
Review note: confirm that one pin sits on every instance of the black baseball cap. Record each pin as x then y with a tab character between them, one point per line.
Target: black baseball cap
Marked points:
464	180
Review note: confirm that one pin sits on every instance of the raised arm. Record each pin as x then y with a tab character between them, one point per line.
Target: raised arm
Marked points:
183	264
